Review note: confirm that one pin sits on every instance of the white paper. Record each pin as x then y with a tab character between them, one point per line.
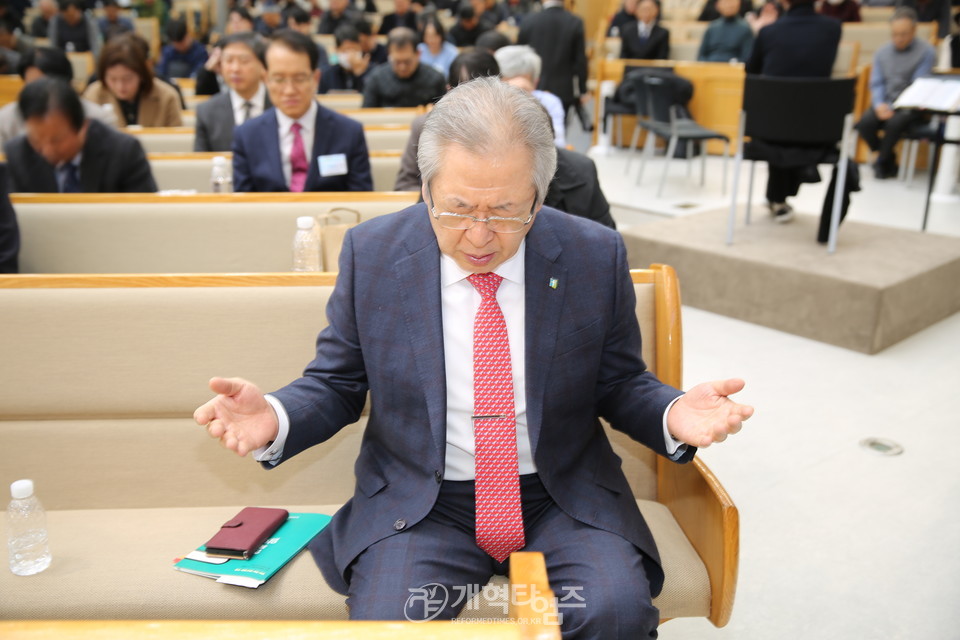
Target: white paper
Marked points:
334	164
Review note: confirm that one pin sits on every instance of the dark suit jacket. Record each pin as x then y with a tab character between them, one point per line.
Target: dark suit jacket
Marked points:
385	336
256	154
9	231
215	123
557	36
801	44
113	162
392	21
575	188
655	47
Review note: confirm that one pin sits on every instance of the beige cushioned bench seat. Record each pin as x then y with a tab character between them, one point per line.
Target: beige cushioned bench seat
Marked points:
98	388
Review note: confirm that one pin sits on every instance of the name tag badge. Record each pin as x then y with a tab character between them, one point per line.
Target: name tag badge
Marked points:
333	165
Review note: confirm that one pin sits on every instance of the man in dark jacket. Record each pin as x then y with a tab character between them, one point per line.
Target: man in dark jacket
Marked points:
557	37
801	44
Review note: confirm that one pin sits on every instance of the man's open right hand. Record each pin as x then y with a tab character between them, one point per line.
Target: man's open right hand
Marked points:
239	416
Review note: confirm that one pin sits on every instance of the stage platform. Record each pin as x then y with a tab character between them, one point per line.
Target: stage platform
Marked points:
881	286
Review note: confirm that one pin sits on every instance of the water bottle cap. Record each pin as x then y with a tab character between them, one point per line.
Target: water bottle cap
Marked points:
305	222
219	160
21	489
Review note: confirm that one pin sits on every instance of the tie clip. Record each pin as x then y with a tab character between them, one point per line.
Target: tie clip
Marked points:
486	417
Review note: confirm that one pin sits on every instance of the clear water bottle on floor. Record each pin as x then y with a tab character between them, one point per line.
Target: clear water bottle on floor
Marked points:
306	245
221	181
26	531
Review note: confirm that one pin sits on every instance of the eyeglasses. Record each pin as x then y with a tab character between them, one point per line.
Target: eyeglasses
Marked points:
462	222
298	80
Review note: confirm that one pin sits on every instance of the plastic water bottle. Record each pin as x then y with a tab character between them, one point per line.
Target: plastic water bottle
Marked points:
306	245
220	179
27	531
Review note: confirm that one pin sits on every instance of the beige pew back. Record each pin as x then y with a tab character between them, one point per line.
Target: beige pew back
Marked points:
191	171
380	137
151	233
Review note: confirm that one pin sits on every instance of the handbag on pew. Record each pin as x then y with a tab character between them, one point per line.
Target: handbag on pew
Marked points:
241	536
334	225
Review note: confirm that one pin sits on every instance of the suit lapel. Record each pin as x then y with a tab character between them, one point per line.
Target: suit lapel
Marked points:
544	294
91	164
321	135
272	147
417	278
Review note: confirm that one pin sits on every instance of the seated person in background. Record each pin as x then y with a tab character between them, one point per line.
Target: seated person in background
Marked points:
65	152
402	16
242	66
710	12
468	27
339	12
729	37
930	11
13	40
9	231
46	62
239	20
520	66
842	10
112	23
404	82
473	63
153	9
491	12
270	19
369	44
801	44
183	56
627	13
435	50
299	20
352	67
768	13
128	85
40	27
895	66
491	41
298	145
644	38
73	29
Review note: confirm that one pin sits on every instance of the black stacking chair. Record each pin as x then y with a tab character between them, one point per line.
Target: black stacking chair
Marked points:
811	115
661	111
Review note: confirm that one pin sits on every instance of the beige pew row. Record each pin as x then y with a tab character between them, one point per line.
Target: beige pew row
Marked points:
190	171
129	356
370	116
211	233
383	137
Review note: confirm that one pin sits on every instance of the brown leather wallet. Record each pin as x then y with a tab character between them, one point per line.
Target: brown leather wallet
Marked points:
242	535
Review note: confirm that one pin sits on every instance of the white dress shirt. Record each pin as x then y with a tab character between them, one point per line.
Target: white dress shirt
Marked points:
459	302
257	103
308	122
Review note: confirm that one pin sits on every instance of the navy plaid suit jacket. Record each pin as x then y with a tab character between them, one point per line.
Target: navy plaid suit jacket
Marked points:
385	335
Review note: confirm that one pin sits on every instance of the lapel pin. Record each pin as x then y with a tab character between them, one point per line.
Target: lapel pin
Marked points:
553	283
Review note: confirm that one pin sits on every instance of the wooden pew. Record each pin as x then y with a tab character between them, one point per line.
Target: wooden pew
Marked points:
191	170
380	137
155	233
10	86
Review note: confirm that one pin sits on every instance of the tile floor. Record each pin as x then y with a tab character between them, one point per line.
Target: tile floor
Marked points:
836	541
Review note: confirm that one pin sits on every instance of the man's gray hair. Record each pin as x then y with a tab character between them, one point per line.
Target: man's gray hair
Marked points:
486	116
904	13
518	60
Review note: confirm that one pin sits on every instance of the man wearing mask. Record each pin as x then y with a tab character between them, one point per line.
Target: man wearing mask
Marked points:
352	65
241	63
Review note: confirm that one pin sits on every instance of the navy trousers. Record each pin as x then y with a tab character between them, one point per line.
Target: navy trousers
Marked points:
430	570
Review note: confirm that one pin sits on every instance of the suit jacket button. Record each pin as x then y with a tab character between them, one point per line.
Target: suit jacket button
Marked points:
399	525
438	475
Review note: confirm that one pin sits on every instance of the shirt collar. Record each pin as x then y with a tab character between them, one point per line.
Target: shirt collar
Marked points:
512	269
307	121
256	99
75	161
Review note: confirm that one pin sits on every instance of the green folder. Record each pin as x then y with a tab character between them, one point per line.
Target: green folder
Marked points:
289	540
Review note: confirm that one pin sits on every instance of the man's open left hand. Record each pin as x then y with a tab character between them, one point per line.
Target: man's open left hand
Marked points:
706	414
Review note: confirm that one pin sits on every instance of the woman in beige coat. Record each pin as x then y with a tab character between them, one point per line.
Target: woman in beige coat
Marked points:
126	84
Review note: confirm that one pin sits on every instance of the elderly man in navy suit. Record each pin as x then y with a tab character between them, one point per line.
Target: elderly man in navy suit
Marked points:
298	145
492	334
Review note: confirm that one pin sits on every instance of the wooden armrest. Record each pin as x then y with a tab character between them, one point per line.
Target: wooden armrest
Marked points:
708	517
532	601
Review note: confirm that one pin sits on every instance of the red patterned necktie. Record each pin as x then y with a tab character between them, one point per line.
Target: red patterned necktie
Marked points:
499	516
298	160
